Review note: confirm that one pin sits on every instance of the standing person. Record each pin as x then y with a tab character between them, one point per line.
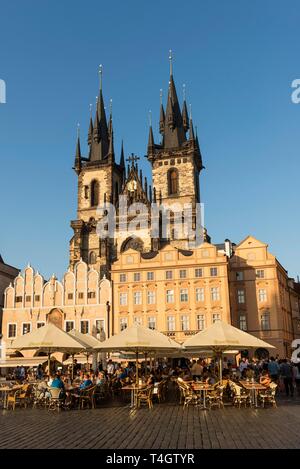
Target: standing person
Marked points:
196	370
286	372
110	369
297	377
39	372
273	369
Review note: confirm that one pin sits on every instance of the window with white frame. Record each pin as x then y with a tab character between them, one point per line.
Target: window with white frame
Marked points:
262	294
137	320
198	273
26	327
215	293
171	323
123	277
137	298
182	274
184	322
265	321
40	324
213	271
200	322
84	327
152	322
243	322
169	274
12	331
184	296
170	296
99	324
123	299
151	297
240	276
136	276
260	273
216	317
199	294
69	325
241	296
123	324
150	275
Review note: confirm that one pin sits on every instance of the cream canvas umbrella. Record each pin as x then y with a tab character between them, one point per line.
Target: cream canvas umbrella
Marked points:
88	341
139	339
221	337
48	339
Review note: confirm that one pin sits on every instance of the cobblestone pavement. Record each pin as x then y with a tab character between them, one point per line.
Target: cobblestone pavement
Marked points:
165	426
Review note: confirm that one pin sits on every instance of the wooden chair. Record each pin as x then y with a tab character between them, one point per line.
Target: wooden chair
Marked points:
144	396
87	396
268	395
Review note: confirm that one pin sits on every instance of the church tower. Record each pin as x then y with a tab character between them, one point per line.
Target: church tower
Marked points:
100	180
176	161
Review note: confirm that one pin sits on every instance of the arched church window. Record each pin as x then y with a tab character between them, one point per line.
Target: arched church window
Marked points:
93	258
94	193
173	181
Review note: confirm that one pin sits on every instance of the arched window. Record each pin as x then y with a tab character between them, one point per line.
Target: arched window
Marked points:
94	193
93	258
173	181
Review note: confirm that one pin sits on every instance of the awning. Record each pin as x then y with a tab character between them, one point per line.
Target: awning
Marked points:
13	362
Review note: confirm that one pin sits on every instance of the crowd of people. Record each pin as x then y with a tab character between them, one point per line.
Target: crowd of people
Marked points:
114	376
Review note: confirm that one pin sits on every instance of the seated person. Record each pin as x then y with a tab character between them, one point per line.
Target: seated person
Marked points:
265	379
150	380
101	379
86	382
57	382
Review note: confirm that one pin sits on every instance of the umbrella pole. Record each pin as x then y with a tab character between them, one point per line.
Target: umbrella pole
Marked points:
221	366
146	358
49	354
72	375
137	368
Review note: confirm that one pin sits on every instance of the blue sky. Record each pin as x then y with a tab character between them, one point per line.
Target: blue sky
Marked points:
237	59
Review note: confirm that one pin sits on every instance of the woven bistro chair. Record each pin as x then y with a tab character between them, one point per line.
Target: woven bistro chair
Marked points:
240	395
55	400
215	397
24	396
11	399
268	395
87	397
144	396
188	394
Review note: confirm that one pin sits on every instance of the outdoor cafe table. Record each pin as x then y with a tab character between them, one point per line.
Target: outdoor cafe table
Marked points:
134	389
253	388
202	388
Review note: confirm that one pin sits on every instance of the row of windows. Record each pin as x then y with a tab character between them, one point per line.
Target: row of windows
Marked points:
171	322
265	323
170	296
80	296
260	273
262	295
169	274
69	325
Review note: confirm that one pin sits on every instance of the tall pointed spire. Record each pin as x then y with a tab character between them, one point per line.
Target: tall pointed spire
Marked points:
185	116
77	165
100	143
162	116
122	158
91	128
191	133
174	134
151	145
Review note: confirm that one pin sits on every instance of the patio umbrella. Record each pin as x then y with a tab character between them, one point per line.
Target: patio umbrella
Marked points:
48	339
221	337
88	342
139	339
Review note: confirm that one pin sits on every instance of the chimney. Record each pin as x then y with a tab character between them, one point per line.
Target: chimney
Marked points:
228	248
